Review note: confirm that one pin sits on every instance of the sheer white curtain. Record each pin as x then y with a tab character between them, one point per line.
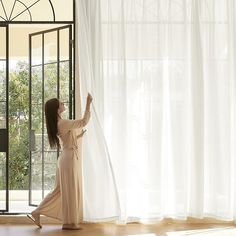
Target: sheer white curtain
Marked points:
162	73
100	196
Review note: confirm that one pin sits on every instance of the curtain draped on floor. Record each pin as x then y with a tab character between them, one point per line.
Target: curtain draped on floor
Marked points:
162	74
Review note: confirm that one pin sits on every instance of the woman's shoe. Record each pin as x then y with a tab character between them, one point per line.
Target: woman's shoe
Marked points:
71	227
35	218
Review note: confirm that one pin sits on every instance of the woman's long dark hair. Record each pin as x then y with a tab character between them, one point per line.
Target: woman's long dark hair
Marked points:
51	113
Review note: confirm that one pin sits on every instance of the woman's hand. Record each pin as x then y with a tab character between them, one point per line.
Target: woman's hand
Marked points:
89	101
81	134
89	98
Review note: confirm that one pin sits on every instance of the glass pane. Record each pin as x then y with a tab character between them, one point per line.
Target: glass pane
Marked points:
50	166
64	81
36	178
50	47
45	8
50	81
46	142
36	107
2	81
64	87
36	50
64	44
17	12
2	181
59	6
66	113
21	14
36	85
36	122
2	78
2	115
3	43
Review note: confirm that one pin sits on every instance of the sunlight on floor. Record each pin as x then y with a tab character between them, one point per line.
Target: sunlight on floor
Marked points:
142	234
226	231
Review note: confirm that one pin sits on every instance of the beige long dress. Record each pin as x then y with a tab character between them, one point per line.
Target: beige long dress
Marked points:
65	201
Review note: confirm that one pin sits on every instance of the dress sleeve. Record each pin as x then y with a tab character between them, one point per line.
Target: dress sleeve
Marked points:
75	124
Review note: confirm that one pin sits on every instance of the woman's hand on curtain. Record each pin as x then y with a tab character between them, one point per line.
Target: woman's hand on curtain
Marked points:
89	101
82	133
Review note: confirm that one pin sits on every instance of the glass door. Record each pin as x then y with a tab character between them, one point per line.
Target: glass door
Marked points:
50	76
4	56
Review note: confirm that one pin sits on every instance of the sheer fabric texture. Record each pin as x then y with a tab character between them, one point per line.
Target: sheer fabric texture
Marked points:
162	74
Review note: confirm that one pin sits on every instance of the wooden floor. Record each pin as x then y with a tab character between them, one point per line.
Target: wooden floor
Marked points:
160	229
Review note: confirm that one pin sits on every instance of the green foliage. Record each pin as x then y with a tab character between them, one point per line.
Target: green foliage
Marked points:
19	124
18	127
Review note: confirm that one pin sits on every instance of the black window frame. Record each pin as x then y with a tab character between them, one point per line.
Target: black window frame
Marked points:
7	23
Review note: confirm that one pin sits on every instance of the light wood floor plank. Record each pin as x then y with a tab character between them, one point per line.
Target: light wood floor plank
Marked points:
159	229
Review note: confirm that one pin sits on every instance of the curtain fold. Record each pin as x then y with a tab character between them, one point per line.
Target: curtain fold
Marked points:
100	196
162	74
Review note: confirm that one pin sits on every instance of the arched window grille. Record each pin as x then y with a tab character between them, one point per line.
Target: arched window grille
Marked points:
36	11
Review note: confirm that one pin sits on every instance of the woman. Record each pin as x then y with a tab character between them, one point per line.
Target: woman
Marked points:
64	202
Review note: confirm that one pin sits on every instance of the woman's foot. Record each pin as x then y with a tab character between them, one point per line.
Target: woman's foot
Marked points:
35	218
71	227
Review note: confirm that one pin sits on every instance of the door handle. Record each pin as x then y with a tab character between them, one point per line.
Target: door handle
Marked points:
3	140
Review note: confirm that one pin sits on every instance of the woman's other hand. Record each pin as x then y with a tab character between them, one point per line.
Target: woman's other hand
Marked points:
82	133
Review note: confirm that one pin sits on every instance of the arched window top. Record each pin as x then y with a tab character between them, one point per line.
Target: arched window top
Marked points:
36	10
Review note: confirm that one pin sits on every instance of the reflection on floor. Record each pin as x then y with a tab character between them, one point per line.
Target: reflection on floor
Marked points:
227	231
